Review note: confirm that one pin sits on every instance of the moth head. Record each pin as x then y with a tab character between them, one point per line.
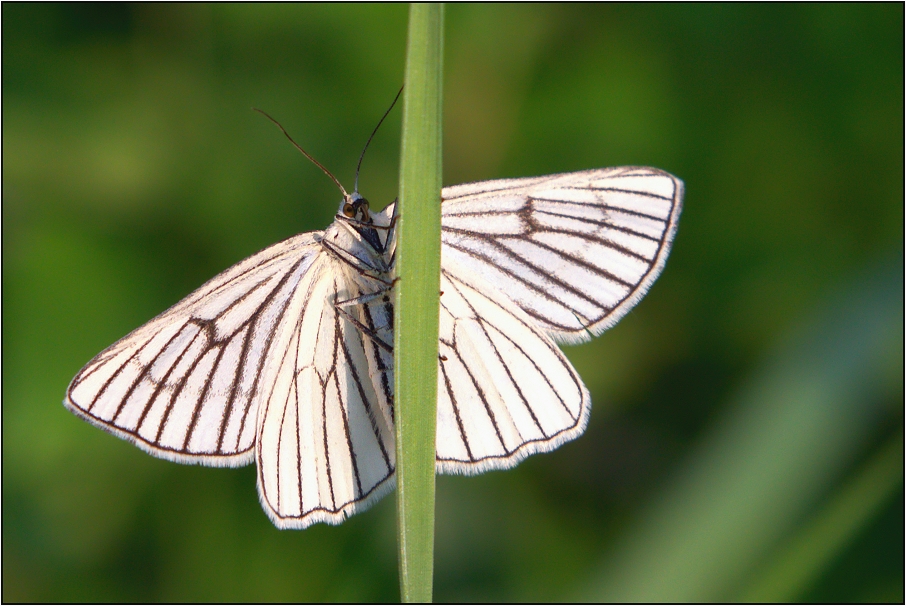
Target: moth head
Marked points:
355	207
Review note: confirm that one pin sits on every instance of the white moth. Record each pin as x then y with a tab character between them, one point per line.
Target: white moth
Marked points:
285	359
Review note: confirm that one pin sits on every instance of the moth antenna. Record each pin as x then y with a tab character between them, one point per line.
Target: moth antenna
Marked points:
306	154
374	132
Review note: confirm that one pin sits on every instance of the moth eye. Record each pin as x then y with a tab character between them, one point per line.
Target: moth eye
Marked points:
348	210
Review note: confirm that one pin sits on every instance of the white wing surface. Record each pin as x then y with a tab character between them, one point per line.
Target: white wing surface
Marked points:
325	426
505	390
184	386
575	251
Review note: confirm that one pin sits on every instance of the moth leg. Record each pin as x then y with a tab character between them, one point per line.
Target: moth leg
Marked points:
372	332
362	299
364	270
368	329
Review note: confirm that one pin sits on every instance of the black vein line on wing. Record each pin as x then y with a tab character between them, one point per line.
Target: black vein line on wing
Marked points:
279	448
575	418
539	335
259	456
669	227
482	324
345	404
629	171
632	287
482	213
532	441
388	313
323	383
548	229
135	381
590	266
340	510
177	390
524	183
206	327
223	312
604	205
599	223
244	353
259	452
234	386
158	385
196	412
452	395
537	315
481	394
620	190
661	251
262	264
371	413
324	444
652	264
386	388
111	351
334	510
360	266
295	387
344	414
331	371
98	362
519	186
545	294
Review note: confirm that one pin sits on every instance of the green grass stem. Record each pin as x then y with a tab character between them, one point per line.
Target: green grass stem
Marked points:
417	300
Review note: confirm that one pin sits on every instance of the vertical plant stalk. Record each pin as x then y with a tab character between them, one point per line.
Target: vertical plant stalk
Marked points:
417	300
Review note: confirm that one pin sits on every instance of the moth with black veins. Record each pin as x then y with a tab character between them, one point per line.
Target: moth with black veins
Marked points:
286	359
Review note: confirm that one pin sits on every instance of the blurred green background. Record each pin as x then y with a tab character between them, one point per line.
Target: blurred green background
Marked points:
746	438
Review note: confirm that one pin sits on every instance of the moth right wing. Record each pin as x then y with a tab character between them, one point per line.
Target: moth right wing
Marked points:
576	251
505	390
183	386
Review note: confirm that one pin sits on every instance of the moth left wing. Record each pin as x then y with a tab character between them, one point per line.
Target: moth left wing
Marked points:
184	386
325	425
